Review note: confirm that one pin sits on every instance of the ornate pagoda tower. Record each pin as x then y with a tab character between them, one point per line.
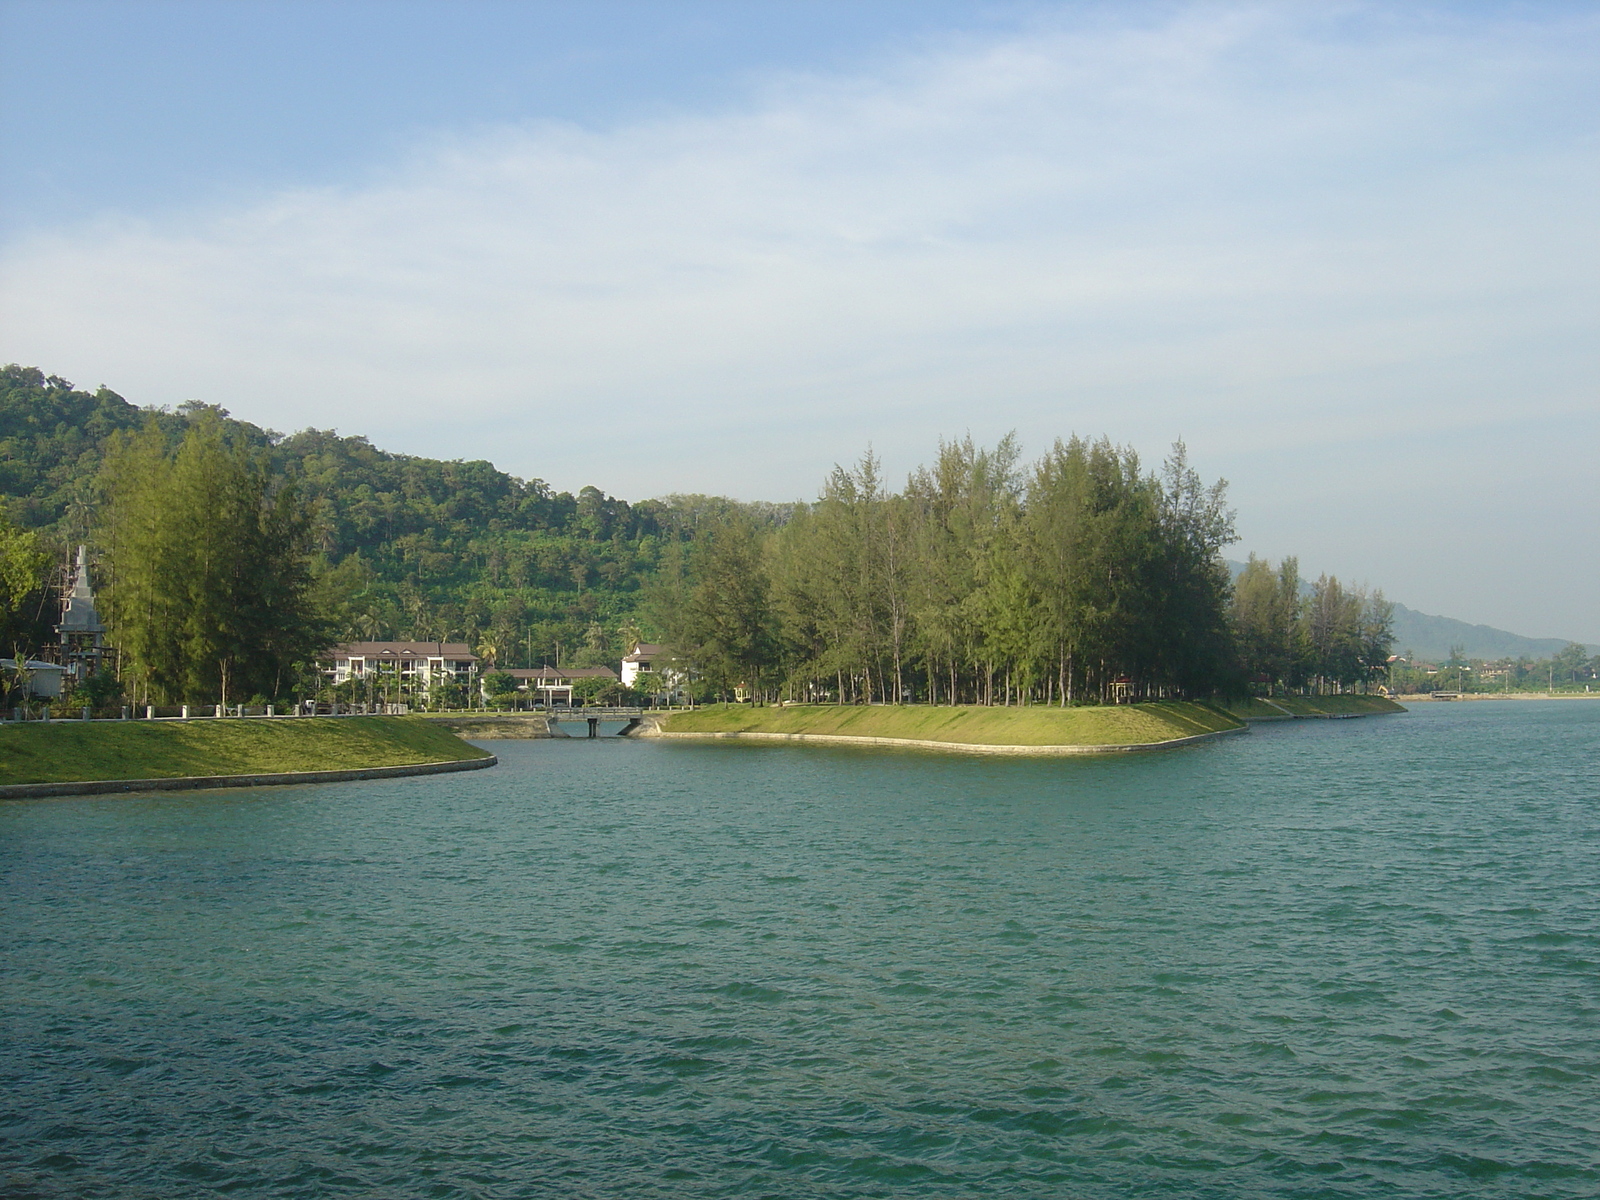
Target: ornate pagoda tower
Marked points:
82	634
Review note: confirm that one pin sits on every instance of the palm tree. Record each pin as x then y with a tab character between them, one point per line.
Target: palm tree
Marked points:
488	651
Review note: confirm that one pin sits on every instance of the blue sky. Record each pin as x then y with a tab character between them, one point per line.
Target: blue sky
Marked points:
1348	252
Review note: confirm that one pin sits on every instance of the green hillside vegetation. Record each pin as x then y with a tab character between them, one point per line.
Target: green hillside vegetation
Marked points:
1036	725
405	547
70	751
25	604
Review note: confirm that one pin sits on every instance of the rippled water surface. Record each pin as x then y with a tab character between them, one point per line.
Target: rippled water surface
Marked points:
1332	958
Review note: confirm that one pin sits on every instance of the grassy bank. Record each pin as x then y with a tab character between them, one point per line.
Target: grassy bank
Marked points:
69	751
1339	706
1312	706
1122	725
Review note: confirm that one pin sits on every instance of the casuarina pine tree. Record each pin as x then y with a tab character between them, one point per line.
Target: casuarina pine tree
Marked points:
208	568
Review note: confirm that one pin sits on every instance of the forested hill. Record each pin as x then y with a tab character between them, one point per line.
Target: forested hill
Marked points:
410	547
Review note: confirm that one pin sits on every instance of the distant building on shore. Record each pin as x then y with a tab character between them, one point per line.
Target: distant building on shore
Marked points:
642	661
43	678
553	685
417	667
645	670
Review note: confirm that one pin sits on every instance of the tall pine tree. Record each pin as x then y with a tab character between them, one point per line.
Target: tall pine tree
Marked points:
208	596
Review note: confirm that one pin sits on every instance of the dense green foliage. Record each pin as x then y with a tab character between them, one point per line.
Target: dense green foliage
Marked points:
52	438
405	547
23	599
206	570
1078	579
1294	637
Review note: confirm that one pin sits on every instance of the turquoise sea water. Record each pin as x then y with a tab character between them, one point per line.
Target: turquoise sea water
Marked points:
1326	959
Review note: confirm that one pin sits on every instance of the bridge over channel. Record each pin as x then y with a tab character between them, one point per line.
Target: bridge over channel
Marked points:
594	716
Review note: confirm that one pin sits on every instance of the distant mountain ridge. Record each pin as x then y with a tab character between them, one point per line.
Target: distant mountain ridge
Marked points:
1428	637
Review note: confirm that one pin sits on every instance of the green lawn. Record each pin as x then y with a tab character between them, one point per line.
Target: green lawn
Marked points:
1311	706
1255	707
1119	725
69	751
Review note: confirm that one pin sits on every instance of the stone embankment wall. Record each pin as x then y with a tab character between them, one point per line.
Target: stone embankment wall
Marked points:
493	726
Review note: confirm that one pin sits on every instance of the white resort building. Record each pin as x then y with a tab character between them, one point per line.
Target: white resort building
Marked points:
645	670
553	685
641	662
417	667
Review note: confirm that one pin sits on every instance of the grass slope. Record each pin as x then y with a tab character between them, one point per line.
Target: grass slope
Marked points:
1255	708
1121	725
1338	706
70	751
1312	706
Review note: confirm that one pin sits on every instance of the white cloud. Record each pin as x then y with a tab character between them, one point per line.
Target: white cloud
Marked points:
1274	230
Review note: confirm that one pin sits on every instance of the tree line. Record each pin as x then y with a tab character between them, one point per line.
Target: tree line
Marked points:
1080	577
229	556
1289	634
1572	668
